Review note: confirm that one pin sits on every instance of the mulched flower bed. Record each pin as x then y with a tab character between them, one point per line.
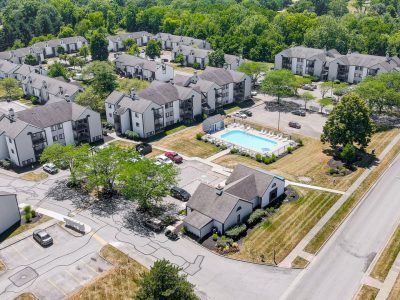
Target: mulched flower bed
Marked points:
338	168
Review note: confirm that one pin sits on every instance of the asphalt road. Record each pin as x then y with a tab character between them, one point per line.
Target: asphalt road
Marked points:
338	269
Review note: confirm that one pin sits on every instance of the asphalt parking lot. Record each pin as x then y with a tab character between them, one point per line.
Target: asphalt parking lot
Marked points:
52	272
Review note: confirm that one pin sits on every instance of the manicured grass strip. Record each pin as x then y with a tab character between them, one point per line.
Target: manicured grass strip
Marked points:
34	176
28	226
387	258
282	232
120	282
2	266
122	144
300	262
175	129
26	296
395	292
367	293
334	222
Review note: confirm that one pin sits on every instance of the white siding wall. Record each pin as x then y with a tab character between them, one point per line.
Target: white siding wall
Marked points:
12	151
164	73
247	87
68	133
110	108
280	185
352	69
246	209
125	122
230	93
94	124
3	147
176	112
9	212
49	135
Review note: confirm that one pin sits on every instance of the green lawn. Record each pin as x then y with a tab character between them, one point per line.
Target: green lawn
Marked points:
28	226
367	293
283	231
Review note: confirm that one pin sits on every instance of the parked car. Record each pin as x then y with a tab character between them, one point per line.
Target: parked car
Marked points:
50	168
175	157
299	112
144	148
154	224
162	159
171	234
247	113
295	125
42	237
333	98
180	193
309	87
240	115
254	93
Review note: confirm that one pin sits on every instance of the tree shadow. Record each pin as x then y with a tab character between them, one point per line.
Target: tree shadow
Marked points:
363	160
282	106
61	192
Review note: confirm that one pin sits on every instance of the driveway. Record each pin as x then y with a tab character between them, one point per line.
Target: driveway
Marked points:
52	272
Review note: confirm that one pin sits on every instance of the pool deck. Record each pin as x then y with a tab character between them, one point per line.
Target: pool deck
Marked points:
281	142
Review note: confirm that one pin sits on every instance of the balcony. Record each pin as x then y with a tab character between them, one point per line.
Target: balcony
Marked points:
82	137
38	140
80	126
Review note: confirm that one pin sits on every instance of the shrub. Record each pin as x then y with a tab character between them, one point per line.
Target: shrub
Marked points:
27	209
5	164
273	158
34	100
259	157
223	147
348	153
215	237
266	160
169	220
224	242
28	216
196	66
234	151
33	213
199	136
332	171
300	142
236	232
132	135
107	125
290	149
255	216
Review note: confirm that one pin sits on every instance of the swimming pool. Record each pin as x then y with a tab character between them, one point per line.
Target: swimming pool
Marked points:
248	140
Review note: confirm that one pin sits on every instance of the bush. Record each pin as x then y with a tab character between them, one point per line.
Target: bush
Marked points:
300	142
196	66
199	136
132	135
223	147
28	216
290	149
27	209
332	171
234	151
259	157
236	232
107	125
34	100
33	213
5	164
223	242
169	220
255	216
348	153
215	237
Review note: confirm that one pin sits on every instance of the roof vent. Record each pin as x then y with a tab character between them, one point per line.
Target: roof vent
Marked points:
133	94
11	114
349	51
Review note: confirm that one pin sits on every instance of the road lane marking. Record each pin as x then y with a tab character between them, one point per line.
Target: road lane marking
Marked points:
57	287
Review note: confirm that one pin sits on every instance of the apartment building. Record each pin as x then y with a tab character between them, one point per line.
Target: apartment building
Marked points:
44	87
11	70
18	55
232	62
136	67
170	41
234	86
191	55
331	65
116	42
24	135
210	91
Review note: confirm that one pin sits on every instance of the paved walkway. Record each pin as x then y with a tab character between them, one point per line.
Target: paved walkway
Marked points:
390	280
218	155
298	250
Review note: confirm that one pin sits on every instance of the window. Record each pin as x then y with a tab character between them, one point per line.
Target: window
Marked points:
60	126
168	105
9	140
110	114
137	124
12	151
239	208
136	115
55	138
53	128
61	136
109	105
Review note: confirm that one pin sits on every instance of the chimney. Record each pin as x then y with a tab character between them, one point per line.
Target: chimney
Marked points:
132	94
219	189
44	84
61	90
225	66
171	81
387	57
30	79
67	98
11	114
195	77
349	51
325	51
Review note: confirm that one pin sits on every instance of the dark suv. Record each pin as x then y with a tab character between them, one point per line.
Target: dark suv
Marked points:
180	194
299	112
144	148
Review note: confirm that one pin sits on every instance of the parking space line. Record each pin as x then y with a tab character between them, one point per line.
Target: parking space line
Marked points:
100	239
36	244
73	277
57	287
19	252
91	268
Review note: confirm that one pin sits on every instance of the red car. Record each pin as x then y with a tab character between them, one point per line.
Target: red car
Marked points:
175	157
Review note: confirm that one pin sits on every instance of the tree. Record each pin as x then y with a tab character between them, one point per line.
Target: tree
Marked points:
153	49
164	282
325	87
349	123
125	85
70	155
348	153
146	182
216	58
130	17
306	97
338	8
98	46
60	50
66	31
324	102
253	69
179	59
133	50
84	51
30	60
128	43
279	83
11	87
89	97
102	74
57	69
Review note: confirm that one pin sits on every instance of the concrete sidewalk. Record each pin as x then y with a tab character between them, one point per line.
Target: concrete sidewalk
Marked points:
298	250
390	280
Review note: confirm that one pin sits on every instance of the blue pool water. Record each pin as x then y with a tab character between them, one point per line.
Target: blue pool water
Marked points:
248	140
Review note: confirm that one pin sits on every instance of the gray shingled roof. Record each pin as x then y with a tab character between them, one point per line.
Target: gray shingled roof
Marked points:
231	59
188	50
125	36
138	105
53	85
134	61
57	42
197	219
51	114
221	76
365	60
24	70
7	67
162	93
11	128
114	97
201	86
182	40
213	119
